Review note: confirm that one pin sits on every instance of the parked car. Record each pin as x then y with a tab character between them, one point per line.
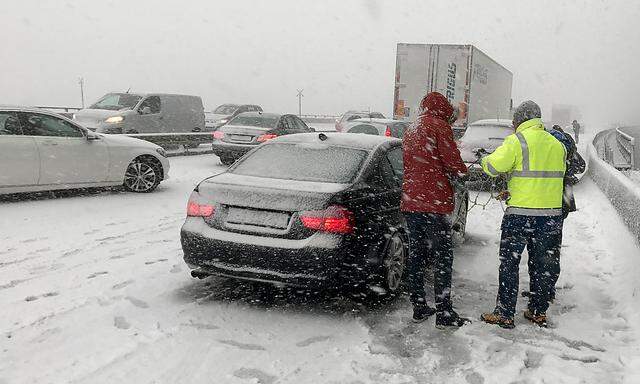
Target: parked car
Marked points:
307	210
143	113
226	112
379	127
41	151
247	130
353	115
488	135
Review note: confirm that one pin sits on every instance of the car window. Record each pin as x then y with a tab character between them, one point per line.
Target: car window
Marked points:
153	102
9	124
376	115
255	120
397	130
303	162
364	128
484	132
388	175
300	125
395	159
35	124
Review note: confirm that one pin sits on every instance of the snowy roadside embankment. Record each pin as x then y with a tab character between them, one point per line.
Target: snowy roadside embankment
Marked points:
623	192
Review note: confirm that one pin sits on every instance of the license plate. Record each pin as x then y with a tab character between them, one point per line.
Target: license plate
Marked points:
269	219
243	138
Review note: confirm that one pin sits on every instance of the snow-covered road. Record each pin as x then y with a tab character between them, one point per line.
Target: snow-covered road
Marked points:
93	290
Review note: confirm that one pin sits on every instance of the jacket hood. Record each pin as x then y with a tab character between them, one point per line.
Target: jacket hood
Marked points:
435	104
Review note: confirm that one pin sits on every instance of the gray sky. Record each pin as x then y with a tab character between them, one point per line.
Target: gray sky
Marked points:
341	52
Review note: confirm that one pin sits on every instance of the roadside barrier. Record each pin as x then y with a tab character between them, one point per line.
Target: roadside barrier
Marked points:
623	193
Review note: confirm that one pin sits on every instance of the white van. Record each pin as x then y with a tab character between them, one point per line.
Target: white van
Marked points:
143	113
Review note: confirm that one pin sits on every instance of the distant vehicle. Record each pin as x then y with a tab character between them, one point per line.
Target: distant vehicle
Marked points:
380	127
143	113
564	114
472	81
42	151
306	210
226	112
486	134
247	130
353	115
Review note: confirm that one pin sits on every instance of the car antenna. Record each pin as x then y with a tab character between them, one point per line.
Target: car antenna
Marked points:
322	137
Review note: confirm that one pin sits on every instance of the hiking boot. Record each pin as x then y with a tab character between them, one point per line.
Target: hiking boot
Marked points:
497	319
422	312
450	319
539	319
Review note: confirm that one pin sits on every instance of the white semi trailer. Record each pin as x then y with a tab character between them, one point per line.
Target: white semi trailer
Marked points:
472	81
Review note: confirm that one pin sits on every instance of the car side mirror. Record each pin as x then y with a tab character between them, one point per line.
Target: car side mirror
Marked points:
145	111
312	129
92	136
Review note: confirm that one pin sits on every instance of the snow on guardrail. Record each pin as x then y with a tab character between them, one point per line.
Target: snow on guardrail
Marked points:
623	193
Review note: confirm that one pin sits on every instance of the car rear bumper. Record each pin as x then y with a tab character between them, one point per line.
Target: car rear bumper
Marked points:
230	150
311	262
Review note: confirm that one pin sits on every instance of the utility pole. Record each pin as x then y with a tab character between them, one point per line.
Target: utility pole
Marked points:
81	82
300	96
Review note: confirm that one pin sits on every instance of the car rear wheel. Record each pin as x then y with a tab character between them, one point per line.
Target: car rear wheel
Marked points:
394	264
142	175
460	225
227	161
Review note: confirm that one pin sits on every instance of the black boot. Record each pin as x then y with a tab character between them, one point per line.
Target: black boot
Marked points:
422	312
450	319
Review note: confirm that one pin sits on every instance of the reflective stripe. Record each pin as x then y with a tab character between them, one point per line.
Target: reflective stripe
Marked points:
533	211
539	174
526	170
525	151
492	169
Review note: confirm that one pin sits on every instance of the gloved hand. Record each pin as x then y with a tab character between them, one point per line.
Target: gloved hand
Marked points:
479	152
503	195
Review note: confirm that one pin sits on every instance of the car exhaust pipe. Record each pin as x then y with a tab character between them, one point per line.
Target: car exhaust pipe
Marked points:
199	274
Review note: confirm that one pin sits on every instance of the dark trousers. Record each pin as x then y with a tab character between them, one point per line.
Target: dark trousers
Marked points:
532	267
542	235
430	242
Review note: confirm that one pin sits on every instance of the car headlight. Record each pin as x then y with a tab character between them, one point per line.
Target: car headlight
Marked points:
162	152
223	121
114	119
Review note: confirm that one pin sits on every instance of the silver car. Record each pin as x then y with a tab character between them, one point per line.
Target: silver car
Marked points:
379	127
42	151
143	113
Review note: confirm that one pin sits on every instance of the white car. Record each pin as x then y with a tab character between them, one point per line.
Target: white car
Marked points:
42	151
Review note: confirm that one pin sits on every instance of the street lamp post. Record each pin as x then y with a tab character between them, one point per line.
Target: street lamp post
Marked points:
300	96
81	82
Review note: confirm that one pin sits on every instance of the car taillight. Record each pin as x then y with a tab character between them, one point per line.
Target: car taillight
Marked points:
199	210
387	132
334	219
266	137
218	135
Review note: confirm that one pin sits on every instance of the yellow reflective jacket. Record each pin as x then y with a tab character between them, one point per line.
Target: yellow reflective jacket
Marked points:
534	161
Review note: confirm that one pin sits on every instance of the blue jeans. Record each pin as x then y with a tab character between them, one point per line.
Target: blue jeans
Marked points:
542	235
430	241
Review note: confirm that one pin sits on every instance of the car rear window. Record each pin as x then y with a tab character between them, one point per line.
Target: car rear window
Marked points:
303	162
364	128
255	121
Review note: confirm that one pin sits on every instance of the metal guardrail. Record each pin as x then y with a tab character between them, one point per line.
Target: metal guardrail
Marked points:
179	143
626	144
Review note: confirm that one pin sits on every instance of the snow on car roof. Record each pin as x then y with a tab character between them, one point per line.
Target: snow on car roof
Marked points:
504	122
263	114
352	140
376	121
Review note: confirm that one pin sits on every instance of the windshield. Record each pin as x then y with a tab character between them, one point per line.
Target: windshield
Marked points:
261	121
486	132
117	101
226	109
303	162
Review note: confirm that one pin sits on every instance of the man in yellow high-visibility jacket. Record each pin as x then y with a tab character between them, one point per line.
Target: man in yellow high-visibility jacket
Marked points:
534	162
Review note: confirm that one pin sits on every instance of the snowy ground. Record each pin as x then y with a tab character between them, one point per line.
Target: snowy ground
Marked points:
93	290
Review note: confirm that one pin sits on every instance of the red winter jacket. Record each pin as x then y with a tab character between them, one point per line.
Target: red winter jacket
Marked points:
430	155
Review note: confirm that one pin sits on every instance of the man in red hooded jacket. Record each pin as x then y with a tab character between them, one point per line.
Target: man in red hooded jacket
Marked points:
431	160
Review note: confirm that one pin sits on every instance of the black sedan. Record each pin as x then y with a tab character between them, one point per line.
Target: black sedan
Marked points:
247	130
309	210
